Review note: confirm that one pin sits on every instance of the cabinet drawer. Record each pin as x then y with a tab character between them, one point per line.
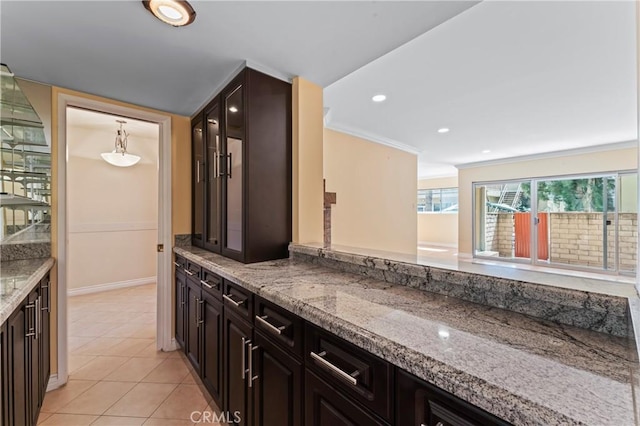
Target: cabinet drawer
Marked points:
211	283
192	269
238	300
354	371
284	327
179	264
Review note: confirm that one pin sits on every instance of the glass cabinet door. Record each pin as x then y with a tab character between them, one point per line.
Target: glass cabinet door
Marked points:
213	178
197	170
234	133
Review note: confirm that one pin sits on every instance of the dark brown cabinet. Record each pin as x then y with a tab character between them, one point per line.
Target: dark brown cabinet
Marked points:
242	170
421	403
180	301
237	348
25	358
211	360
193	319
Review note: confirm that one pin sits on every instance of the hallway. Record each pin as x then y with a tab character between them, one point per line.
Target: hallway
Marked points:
116	377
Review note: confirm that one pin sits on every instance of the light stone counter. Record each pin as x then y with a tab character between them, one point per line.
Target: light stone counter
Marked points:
17	279
525	370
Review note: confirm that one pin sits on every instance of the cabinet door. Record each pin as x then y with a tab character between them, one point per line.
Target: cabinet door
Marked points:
233	183
193	320
213	179
18	326
4	382
198	182
33	356
45	338
324	406
237	337
277	385
211	361
180	301
420	403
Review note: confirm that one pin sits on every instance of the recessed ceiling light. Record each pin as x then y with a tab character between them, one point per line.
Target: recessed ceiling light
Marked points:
486	151
443	130
173	12
233	109
379	98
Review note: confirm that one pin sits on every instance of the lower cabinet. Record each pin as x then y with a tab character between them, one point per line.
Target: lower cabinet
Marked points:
25	358
193	320
237	347
180	305
211	360
421	403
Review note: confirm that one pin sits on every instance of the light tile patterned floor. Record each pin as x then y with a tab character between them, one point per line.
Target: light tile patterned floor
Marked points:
116	376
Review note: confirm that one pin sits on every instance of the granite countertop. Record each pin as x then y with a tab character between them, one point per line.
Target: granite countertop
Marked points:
17	279
525	370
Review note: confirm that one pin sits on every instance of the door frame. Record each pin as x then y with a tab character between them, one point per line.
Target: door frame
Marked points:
164	340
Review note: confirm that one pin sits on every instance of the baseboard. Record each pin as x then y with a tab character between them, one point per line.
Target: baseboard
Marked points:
173	346
53	383
110	286
433	244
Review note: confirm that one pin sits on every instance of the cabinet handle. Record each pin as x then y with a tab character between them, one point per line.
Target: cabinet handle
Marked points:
200	316
229	165
197	171
188	272
197	312
263	320
37	314
244	357
236	304
216	174
48	308
251	376
28	320
184	294
206	284
341	374
177	264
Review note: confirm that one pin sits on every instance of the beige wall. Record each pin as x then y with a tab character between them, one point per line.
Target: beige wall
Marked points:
604	161
438	228
180	192
112	211
308	196
376	193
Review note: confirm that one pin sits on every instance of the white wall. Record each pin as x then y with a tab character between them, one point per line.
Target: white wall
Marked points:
112	211
438	228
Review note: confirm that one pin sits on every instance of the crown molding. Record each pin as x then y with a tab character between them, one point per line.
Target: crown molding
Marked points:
373	138
553	154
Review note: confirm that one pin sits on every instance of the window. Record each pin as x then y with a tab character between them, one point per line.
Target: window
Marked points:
442	200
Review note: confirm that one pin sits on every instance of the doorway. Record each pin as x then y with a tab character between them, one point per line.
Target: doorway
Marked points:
70	229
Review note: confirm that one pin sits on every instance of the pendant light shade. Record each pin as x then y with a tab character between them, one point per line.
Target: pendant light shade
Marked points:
120	157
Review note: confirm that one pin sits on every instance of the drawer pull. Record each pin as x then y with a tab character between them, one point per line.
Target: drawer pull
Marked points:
270	327
177	264
206	284
236	304
188	272
342	374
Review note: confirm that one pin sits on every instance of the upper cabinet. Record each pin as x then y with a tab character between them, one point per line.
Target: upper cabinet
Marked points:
242	170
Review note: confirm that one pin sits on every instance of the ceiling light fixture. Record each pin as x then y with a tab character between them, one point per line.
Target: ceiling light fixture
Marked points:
379	98
173	12
443	130
233	109
119	156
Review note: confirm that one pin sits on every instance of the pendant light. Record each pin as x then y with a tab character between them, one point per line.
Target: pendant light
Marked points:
119	156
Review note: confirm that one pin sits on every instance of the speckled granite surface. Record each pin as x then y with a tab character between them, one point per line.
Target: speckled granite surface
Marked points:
525	370
17	279
584	309
22	250
182	240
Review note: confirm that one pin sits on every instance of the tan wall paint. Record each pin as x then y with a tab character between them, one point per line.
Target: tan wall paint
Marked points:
376	193
112	211
438	228
604	161
308	195
181	187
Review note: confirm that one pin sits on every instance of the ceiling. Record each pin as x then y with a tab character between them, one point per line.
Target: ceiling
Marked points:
117	49
510	77
515	78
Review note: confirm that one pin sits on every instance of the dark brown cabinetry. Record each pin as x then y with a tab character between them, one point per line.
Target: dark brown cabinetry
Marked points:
25	358
238	355
180	300
241	170
211	360
192	322
421	403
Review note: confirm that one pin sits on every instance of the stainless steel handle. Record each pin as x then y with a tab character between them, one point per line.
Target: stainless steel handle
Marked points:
206	284
197	312
28	320
244	357
37	314
236	304
229	165
184	294
342	374
177	264
197	171
188	272
263	320
200	316
215	165
251	376
48	307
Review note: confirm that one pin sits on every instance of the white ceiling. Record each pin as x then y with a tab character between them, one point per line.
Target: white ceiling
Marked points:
516	78
118	50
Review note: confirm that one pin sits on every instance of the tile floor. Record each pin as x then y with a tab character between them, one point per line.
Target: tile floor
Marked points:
116	376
